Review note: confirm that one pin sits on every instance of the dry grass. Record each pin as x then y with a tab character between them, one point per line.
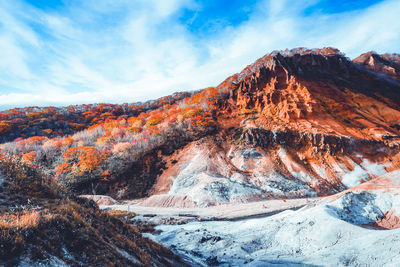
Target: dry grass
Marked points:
39	220
121	213
21	221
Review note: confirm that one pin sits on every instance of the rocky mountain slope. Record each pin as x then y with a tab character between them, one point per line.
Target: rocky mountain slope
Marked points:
293	124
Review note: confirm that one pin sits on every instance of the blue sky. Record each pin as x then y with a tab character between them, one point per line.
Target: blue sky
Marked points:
115	51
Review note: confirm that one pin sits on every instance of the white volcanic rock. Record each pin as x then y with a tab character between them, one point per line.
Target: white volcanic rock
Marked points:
206	174
337	231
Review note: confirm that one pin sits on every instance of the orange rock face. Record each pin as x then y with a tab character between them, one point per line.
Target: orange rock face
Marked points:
295	123
315	93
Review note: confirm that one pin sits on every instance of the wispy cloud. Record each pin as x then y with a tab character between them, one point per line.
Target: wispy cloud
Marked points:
124	51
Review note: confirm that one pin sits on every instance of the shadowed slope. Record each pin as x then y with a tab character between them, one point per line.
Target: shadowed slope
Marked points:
40	223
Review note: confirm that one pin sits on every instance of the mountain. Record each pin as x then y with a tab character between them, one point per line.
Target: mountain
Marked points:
387	64
297	126
295	123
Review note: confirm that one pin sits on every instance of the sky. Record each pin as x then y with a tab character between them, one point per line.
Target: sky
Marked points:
120	51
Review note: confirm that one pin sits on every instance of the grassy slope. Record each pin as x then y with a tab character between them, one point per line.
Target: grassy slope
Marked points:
39	221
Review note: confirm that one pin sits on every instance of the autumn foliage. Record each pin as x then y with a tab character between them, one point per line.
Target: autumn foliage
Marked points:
54	121
80	160
29	158
113	136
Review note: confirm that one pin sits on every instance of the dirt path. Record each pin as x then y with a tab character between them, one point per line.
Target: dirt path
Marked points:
231	212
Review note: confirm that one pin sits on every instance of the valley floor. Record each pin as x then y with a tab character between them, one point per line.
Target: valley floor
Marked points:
227	212
339	230
309	236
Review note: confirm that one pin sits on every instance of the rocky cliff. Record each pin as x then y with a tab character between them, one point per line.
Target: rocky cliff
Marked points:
293	124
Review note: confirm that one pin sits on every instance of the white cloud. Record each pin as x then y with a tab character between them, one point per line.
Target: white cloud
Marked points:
125	51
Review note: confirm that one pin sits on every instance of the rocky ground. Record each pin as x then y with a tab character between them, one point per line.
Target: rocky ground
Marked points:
351	228
321	235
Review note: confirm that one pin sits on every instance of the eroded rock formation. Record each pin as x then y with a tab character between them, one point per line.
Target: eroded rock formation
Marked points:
295	123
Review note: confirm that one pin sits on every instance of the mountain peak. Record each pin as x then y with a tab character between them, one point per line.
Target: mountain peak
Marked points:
290	60
388	64
325	51
313	90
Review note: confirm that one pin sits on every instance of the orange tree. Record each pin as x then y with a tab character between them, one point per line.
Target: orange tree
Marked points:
80	161
29	158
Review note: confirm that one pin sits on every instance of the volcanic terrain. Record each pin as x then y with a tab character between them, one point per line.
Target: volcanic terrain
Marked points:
293	160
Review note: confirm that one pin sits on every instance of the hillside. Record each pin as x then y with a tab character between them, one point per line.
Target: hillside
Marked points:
295	123
19	123
308	131
41	224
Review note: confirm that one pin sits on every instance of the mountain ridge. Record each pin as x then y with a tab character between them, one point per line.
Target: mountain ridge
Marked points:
256	77
313	106
295	124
